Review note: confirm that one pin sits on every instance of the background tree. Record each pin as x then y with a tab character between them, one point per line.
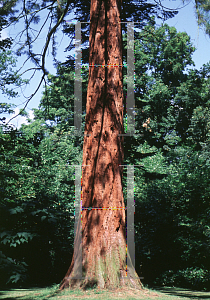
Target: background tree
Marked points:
37	194
9	81
30	13
172	200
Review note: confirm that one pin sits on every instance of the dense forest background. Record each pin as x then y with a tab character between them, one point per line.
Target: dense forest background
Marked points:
172	190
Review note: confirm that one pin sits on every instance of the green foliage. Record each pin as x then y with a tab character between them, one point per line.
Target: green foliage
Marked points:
13	270
5	9
7	74
197	278
37	201
202	13
9	80
37	189
172	179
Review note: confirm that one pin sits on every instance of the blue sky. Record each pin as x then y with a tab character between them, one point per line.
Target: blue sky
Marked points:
185	20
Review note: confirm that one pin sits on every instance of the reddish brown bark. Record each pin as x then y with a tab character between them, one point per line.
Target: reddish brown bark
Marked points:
103	231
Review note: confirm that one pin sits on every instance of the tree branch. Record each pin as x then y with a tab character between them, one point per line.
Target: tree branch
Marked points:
51	33
49	36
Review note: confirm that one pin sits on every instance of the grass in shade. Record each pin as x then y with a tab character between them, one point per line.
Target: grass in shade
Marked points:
163	293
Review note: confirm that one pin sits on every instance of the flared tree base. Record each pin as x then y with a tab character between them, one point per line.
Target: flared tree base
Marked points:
94	283
107	272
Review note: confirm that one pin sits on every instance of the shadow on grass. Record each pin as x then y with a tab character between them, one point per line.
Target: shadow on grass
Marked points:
3	295
181	292
29	293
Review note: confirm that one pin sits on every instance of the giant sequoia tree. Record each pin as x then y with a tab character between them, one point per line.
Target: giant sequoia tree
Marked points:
103	229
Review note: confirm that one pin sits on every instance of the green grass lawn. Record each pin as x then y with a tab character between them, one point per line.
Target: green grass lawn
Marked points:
53	293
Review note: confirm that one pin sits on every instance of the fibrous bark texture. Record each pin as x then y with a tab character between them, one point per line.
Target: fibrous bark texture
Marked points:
103	229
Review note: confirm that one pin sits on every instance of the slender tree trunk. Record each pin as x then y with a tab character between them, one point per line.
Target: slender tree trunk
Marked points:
103	230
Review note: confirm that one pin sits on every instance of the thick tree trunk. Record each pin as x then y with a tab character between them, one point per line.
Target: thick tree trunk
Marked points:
103	230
